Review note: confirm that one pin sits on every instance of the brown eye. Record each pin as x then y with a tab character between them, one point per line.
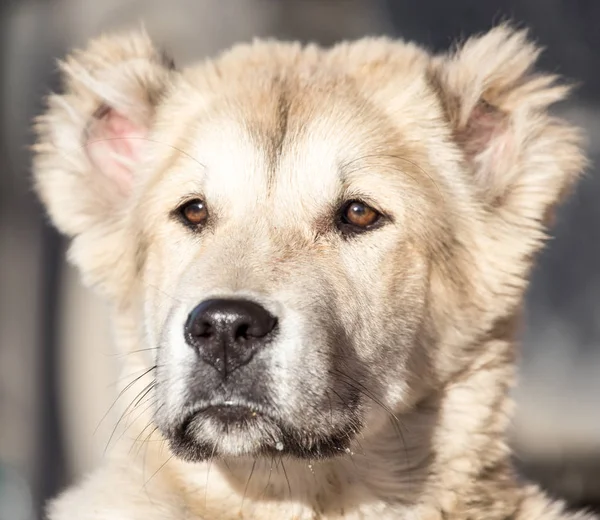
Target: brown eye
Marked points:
194	212
359	215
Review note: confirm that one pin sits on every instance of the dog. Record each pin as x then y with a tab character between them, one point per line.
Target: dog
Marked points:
316	260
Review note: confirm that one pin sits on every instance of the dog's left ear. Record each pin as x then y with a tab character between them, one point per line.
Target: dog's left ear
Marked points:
91	142
522	159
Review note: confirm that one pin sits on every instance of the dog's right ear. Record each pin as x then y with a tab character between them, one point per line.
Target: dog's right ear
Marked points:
91	139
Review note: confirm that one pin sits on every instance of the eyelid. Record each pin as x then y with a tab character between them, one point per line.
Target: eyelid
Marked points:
367	200
186	199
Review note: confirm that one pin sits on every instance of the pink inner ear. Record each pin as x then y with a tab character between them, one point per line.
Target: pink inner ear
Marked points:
114	146
488	144
485	123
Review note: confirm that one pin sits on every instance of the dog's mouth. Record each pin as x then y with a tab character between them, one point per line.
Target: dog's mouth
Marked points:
228	413
225	429
231	414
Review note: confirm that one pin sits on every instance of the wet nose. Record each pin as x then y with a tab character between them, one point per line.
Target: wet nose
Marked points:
227	333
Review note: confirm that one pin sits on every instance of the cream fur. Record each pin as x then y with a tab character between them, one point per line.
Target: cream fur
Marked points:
459	147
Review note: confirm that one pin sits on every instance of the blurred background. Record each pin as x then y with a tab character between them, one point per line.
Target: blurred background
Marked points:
57	367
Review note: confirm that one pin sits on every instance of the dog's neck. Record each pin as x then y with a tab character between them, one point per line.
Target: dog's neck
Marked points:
426	460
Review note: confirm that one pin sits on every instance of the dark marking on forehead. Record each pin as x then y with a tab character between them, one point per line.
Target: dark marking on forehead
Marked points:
283	114
267	120
278	134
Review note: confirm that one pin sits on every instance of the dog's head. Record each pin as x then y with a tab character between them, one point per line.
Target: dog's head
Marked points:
313	239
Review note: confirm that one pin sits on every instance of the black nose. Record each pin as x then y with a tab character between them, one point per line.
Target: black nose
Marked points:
227	333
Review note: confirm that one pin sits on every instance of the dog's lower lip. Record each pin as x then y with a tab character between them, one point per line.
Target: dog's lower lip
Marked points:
231	412
225	411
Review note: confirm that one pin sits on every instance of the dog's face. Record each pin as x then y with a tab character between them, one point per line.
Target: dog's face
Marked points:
283	271
305	234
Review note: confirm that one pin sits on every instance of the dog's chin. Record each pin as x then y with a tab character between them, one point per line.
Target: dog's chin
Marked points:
222	431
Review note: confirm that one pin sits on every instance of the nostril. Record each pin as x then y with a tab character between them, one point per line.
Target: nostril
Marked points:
198	328
242	331
204	330
262	327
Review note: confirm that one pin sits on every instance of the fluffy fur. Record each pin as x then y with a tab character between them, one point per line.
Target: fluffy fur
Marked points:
402	337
